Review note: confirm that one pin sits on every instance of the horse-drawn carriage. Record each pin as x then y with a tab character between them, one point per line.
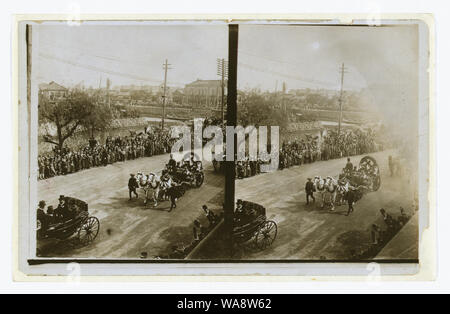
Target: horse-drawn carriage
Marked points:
251	224
82	226
359	181
181	177
367	175
192	176
364	179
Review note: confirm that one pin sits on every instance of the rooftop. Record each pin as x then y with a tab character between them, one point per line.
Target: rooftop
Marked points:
52	86
199	82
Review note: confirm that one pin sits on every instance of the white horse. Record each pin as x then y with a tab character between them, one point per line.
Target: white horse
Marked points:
319	185
147	183
331	187
327	189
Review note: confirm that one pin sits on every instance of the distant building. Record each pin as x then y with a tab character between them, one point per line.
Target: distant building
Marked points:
147	88
204	88
52	90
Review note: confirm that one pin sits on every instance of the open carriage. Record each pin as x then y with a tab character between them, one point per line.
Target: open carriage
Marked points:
251	224
367	174
193	178
366	178
84	227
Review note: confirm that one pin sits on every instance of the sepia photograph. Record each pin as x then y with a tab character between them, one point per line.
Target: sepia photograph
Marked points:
223	156
223	143
345	103
108	98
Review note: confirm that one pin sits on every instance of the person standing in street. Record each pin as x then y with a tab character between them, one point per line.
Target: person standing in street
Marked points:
174	192
349	166
350	199
309	189
132	185
391	165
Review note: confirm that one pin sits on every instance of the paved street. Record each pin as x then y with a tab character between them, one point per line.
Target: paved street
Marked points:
304	232
128	228
308	232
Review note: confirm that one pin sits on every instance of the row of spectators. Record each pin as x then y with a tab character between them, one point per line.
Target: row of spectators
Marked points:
329	146
121	148
310	149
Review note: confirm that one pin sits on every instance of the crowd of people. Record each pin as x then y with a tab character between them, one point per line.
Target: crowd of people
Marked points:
310	149
329	146
349	143
121	148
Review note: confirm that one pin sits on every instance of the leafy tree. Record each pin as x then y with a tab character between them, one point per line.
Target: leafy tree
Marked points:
99	119
261	109
65	114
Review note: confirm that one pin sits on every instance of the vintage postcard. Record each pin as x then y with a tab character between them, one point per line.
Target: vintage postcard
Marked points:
222	147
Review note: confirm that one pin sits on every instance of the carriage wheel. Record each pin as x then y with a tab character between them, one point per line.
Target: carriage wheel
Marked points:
199	180
266	234
376	183
89	230
369	161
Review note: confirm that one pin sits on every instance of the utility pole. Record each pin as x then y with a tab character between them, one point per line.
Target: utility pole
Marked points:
230	166
283	100
108	86
222	71
165	67
342	71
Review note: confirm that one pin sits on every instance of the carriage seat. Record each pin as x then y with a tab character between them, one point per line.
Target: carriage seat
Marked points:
249	212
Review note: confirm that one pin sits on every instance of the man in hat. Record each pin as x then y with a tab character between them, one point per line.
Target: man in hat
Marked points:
172	165
391	223
309	189
42	216
210	215
239	212
61	212
239	206
350	196
174	192
349	166
132	185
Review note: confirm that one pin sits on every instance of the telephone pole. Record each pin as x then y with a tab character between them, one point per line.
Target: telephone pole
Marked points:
342	71
222	71
165	67
108	98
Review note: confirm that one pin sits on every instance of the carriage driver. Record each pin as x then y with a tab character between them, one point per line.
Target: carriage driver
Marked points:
63	212
349	166
132	185
172	165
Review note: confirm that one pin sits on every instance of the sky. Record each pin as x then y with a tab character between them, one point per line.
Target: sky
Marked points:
311	56
127	54
300	56
383	62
